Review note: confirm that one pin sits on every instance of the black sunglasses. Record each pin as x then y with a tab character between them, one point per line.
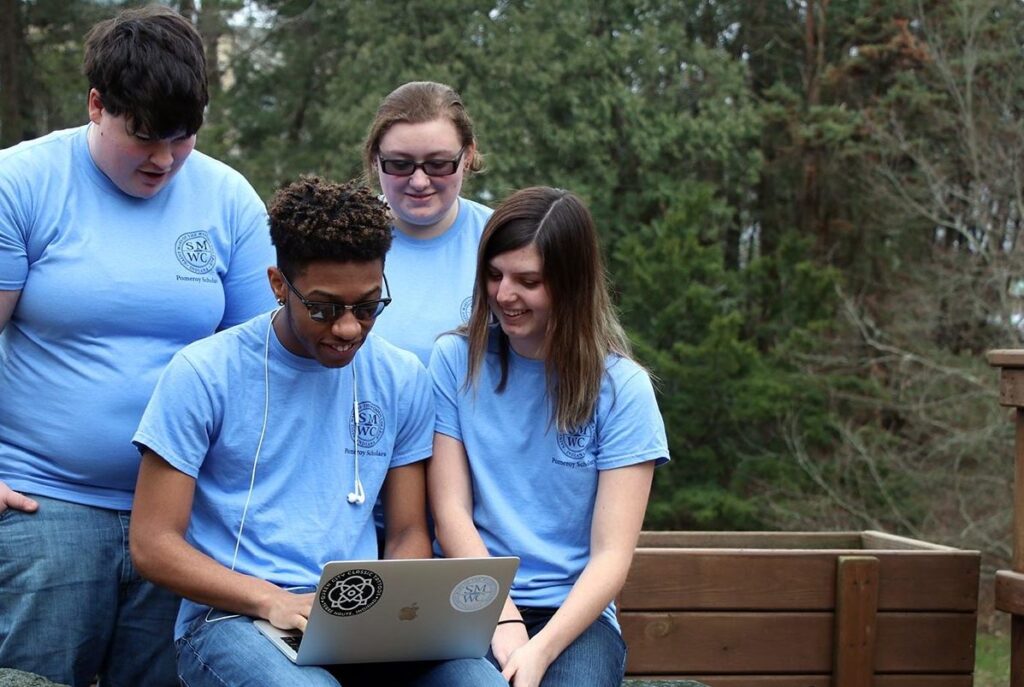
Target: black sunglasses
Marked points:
329	312
432	168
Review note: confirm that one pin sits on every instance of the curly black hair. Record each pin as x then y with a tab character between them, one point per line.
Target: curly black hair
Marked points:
314	219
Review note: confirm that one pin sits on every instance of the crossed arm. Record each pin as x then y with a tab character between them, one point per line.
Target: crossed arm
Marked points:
618	516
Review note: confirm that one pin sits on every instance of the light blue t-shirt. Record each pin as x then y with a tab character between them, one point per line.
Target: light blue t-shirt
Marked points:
111	286
431	282
534	487
206	417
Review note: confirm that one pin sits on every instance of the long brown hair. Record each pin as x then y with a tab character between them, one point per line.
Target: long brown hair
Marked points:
583	328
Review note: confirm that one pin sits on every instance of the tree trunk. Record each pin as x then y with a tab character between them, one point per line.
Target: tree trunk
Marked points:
12	91
211	27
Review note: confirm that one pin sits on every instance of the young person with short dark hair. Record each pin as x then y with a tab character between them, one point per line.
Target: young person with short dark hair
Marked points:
119	244
265	446
546	441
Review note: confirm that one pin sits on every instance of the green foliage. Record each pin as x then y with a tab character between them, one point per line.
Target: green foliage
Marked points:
812	222
718	341
992	660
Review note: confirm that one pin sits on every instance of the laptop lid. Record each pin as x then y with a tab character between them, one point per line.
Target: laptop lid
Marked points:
401	610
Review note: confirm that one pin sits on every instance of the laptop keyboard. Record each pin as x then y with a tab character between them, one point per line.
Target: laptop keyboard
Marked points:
292	640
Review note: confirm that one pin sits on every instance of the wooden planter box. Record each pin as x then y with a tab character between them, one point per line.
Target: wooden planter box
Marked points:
808	609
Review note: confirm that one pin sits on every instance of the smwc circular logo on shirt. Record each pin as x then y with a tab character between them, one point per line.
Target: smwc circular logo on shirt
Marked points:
574	444
195	252
371	425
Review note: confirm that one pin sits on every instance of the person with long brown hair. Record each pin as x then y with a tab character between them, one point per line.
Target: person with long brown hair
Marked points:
546	440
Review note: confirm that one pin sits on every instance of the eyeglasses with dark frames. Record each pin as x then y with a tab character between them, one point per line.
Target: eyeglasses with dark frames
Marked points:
400	167
326	313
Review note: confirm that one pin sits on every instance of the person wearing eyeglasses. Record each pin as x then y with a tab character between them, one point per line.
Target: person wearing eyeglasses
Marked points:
546	441
420	148
119	244
265	446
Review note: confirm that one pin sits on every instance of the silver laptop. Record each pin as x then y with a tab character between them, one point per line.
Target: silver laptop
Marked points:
412	609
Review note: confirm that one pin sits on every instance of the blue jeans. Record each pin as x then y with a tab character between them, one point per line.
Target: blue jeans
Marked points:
597	658
232	652
72	606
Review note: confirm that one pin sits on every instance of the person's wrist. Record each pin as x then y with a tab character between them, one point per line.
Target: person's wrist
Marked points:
542	642
512	621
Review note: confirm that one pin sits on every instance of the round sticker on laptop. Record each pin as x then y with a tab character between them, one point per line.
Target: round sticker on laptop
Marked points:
474	593
351	592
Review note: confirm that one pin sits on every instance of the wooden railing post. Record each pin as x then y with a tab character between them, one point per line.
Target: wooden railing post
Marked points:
855	628
1009	592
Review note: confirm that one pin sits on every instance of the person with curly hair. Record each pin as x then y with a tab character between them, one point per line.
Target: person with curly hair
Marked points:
251	423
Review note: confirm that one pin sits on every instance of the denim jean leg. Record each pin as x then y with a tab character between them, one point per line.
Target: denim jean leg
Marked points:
233	653
460	672
58	589
596	658
141	650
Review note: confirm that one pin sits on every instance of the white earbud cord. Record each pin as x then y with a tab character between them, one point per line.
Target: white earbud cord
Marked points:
357	496
256	458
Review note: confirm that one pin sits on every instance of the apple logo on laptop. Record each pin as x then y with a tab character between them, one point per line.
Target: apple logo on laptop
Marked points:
408	612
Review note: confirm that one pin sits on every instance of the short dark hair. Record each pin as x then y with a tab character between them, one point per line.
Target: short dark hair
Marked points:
314	219
148	64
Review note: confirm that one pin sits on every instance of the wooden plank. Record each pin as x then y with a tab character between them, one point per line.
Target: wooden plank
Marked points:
728	642
815	680
928	581
1017	621
924	681
1018	494
1017	651
787	642
1011	387
709	579
873	539
856	609
926	642
1010	592
753	680
1006	357
750	540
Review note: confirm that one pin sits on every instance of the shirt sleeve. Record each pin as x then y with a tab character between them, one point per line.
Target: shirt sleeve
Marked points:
415	437
246	290
445	367
13	235
630	428
180	418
